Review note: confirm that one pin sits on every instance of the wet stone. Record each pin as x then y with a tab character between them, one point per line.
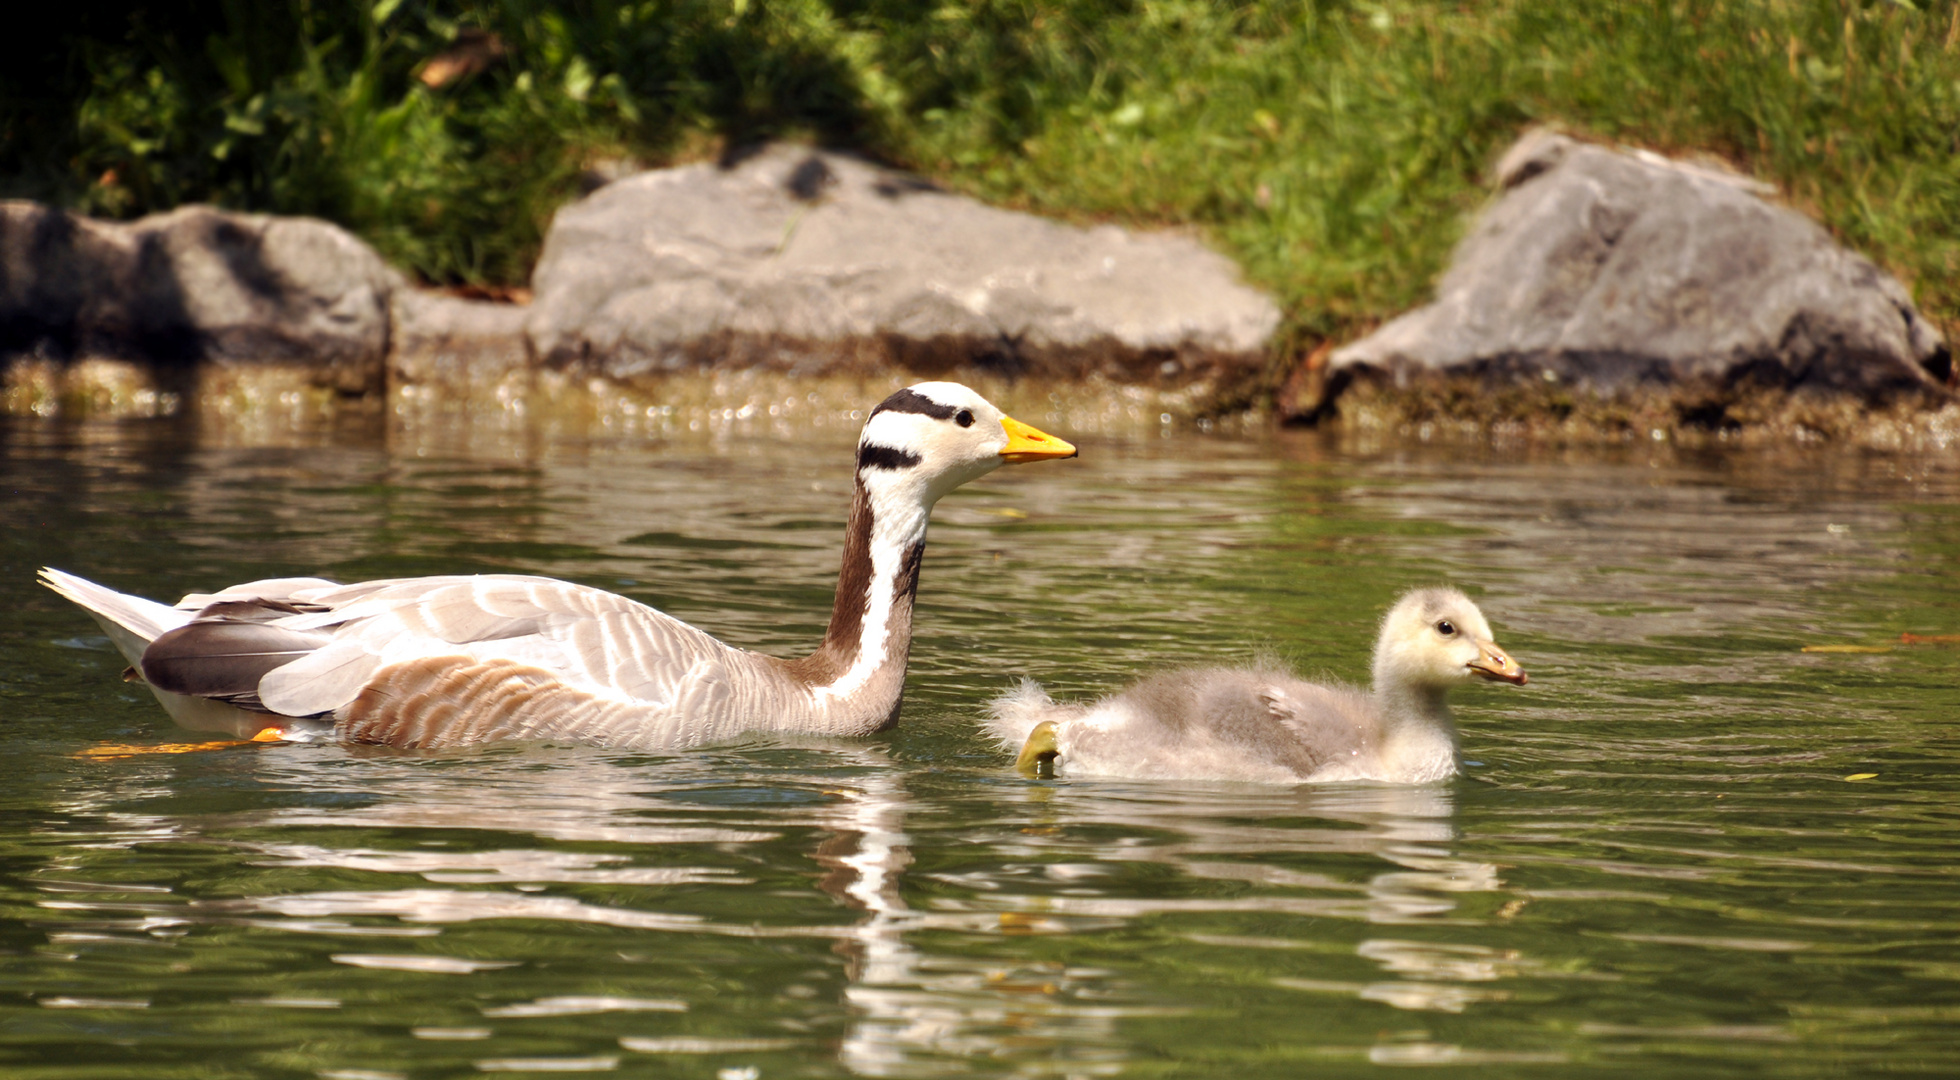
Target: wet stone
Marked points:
1609	276
815	263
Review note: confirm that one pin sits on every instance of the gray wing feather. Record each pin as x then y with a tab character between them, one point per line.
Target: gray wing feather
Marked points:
286	589
466	612
307	646
596	642
320	682
1326	723
223	658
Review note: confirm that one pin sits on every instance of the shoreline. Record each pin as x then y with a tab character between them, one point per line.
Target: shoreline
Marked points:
273	399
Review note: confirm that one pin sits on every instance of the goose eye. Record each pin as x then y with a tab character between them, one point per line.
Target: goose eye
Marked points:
965	418
1446	628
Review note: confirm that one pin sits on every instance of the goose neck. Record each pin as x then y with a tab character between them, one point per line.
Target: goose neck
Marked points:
858	675
1418	732
1408	708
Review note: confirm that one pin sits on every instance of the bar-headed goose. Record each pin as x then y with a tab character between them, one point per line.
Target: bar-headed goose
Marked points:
1269	726
450	661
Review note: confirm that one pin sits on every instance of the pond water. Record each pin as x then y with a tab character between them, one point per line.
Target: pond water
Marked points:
1689	847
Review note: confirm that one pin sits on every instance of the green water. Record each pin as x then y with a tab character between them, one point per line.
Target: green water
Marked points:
1655	864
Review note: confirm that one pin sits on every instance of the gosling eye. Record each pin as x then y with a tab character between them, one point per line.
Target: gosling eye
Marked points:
1446	628
964	418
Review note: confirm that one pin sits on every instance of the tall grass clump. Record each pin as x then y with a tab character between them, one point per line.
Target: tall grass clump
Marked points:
1335	147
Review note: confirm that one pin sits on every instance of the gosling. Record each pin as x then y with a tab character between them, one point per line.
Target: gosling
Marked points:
1265	725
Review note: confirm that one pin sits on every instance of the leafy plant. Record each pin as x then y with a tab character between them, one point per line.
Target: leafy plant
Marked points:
1335	147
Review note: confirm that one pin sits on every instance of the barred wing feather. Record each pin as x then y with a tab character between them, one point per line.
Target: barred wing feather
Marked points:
592	644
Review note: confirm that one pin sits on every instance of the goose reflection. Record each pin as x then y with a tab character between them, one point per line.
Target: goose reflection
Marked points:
715	947
918	1007
917	1012
437	846
1231	833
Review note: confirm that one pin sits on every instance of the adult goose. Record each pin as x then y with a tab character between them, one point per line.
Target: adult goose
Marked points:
1267	726
452	661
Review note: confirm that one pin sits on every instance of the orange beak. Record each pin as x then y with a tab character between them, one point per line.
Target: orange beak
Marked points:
1493	663
1031	444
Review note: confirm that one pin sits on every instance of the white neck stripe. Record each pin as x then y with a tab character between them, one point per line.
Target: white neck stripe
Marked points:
898	521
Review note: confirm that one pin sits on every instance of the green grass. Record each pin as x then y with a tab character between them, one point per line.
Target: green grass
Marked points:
1335	149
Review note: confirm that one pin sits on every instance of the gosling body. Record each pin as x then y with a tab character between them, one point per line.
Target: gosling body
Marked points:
1267	725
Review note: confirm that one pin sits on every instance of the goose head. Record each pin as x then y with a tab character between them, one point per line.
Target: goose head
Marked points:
1436	638
930	438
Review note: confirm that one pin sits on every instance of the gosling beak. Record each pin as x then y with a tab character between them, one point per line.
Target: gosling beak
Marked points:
1493	663
1030	444
1038	754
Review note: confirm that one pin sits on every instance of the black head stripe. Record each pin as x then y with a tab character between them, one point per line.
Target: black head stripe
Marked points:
873	456
907	401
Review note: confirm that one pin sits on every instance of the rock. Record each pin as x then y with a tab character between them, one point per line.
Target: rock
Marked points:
812	262
1610	271
195	284
790	263
455	345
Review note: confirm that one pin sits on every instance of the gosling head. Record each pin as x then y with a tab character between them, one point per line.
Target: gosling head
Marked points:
936	436
1435	639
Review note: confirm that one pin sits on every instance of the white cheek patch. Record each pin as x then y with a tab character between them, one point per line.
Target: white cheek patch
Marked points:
902	431
896	444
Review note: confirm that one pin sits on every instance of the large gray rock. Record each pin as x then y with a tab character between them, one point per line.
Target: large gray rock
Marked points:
814	262
1611	270
195	284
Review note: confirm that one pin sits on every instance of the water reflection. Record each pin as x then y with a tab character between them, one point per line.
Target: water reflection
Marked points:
1247	833
1666	816
629	844
1594	553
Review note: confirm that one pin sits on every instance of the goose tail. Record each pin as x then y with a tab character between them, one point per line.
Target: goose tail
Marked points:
130	621
1013	715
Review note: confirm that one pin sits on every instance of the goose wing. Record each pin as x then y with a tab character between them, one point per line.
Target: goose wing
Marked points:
455	646
1316	726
